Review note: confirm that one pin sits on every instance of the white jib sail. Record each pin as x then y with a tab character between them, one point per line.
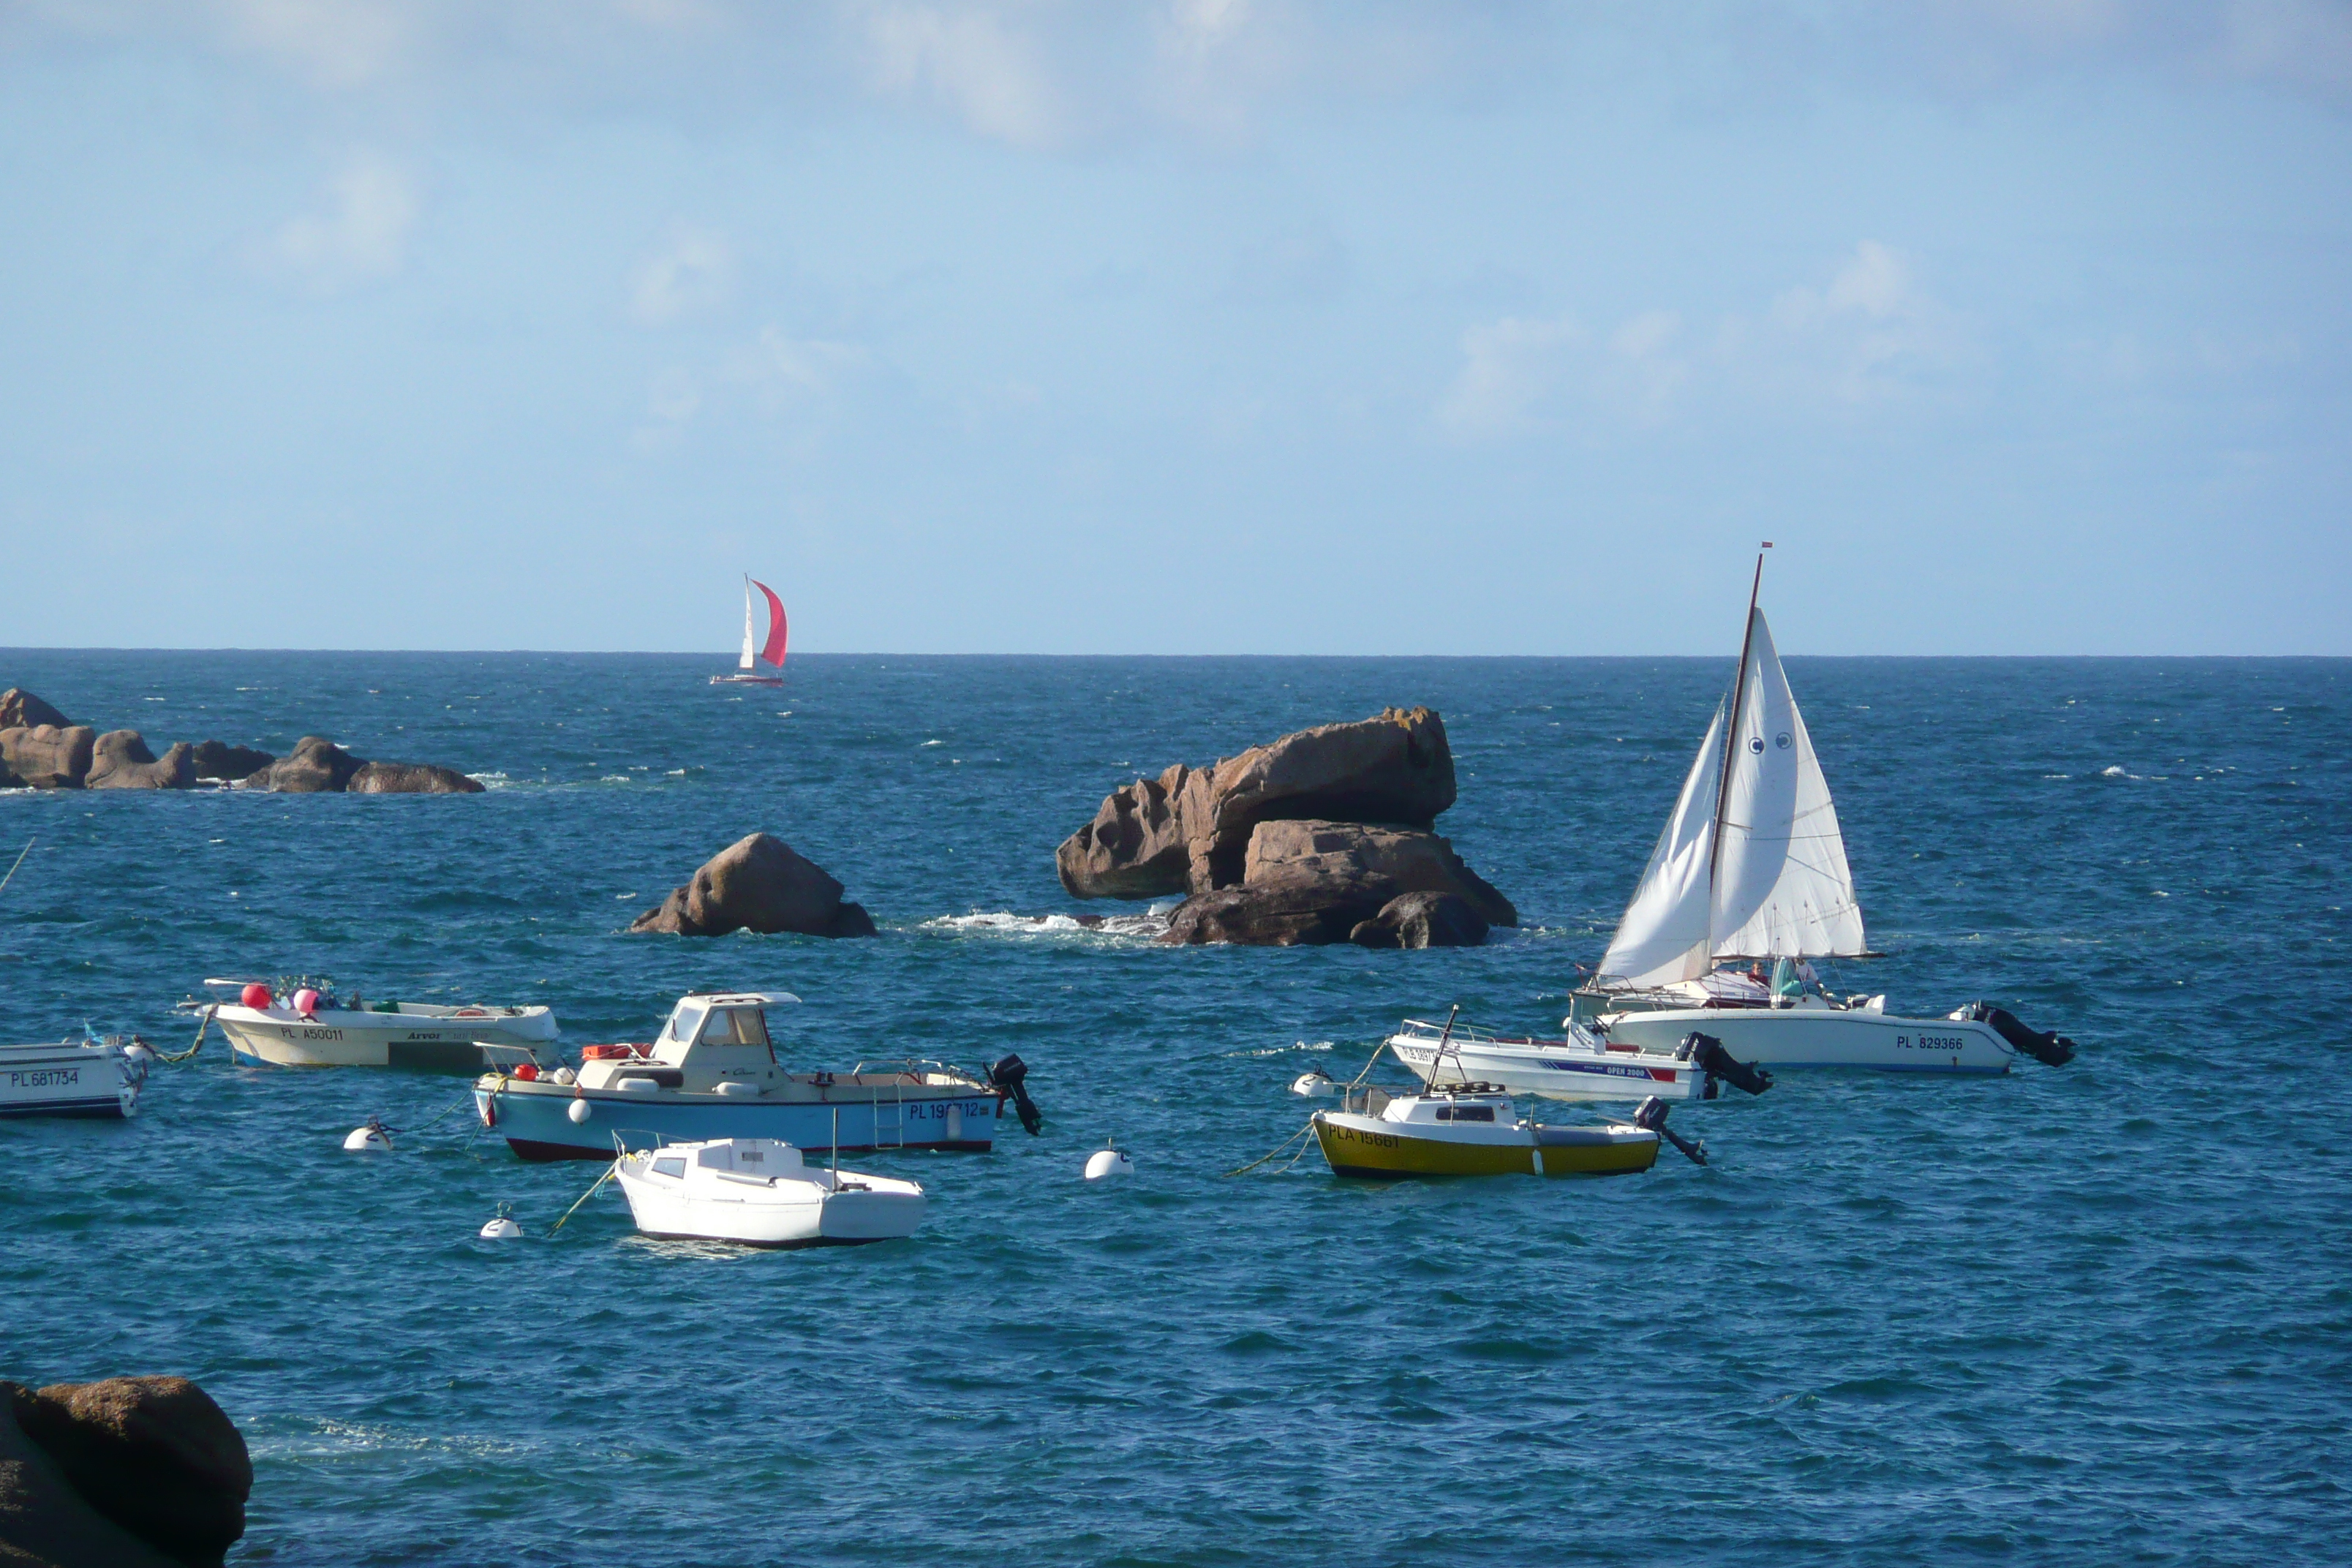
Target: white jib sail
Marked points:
1665	935
1779	884
1782	888
745	662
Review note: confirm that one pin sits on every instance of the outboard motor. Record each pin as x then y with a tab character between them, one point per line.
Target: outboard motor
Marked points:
2053	1049
1708	1054
1008	1076
1650	1115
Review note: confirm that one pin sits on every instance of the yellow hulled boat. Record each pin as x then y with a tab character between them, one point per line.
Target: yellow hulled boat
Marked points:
1472	1130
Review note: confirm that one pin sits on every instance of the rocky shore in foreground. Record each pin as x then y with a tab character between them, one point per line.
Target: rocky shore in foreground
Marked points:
40	748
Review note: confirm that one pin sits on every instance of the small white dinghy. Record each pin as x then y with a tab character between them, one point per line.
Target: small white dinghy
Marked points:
758	1191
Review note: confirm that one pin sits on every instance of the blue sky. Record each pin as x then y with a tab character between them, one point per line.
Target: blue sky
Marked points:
1202	326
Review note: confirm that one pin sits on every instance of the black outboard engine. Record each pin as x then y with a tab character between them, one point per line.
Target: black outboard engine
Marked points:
2053	1049
1651	1114
1711	1058
1009	1076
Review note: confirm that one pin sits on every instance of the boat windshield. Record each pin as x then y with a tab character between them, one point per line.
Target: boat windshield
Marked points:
736	1026
684	1021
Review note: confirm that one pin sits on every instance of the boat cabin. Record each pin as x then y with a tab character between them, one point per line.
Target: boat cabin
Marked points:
712	1039
1470	1105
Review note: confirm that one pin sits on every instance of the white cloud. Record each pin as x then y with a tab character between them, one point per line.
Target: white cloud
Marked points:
693	274
1508	368
332	43
965	58
1869	335
360	230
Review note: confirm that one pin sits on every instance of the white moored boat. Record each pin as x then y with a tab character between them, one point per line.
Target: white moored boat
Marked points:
299	1024
758	1191
76	1076
1751	870
1578	1066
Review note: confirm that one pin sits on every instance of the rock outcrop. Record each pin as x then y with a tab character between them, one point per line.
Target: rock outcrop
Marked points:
219	759
121	761
315	766
1416	860
1298	842
48	756
411	778
1289	911
757	884
1423	919
1395	767
134	1472
20	710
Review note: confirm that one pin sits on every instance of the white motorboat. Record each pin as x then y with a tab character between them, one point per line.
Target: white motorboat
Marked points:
713	1073
1751	870
760	1192
746	670
304	1024
77	1077
1579	1066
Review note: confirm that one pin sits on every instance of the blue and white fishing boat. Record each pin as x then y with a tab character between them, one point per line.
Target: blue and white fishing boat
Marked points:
713	1073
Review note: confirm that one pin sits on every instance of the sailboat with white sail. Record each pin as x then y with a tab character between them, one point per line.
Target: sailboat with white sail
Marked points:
747	669
1751	871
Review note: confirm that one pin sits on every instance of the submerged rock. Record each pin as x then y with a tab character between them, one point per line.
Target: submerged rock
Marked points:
1395	767
48	756
121	761
759	884
1416	860
411	778
20	710
219	759
1423	919
130	1471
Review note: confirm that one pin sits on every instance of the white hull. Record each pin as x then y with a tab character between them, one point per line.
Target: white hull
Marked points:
69	1080
1819	1037
797	1206
1556	1070
445	1039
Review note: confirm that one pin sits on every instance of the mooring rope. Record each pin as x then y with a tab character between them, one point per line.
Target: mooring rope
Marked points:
203	1022
609	1172
1276	1152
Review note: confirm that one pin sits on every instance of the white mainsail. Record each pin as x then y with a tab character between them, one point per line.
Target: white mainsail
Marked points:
1751	863
745	662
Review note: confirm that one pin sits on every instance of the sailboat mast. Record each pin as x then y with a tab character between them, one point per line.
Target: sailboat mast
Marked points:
1731	742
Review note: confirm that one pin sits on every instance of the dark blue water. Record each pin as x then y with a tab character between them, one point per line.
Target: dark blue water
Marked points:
2095	1315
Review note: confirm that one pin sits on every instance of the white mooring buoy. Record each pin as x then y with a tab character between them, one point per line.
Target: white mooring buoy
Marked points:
1315	1085
502	1228
373	1137
578	1111
1108	1160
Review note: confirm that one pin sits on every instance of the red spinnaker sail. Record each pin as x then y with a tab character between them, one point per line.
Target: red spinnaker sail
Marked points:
774	652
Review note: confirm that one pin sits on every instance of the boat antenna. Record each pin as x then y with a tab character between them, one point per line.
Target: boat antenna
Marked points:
11	877
1730	741
1446	1044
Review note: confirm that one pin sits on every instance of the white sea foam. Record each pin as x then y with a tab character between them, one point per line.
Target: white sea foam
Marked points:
1000	922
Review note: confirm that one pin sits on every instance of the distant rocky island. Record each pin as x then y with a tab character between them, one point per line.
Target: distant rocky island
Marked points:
40	748
1323	835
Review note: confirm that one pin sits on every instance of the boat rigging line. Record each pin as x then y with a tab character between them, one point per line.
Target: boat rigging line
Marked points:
609	1172
11	877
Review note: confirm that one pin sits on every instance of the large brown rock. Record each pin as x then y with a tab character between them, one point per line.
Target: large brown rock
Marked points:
48	756
121	761
219	759
1416	860
757	884
315	766
411	778
1423	919
1286	911
20	710
87	1467
1395	767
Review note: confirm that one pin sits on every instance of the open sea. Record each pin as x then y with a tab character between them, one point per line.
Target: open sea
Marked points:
2095	1315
